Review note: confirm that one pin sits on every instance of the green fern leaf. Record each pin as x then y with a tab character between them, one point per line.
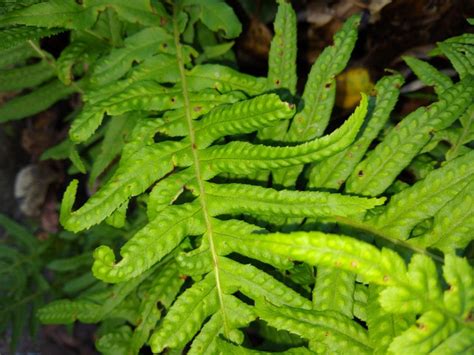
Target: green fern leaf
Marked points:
35	102
429	332
16	35
383	327
170	227
136	48
217	15
116	342
223	79
267	202
69	56
332	172
207	341
90	310
282	63
54	13
332	331
428	195
319	94
459	298
282	56
191	309
246	158
164	288
334	290
429	74
25	77
453	224
17	54
459	52
423	280
374	174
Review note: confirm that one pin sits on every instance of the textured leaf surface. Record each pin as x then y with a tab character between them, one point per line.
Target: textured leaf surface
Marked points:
333	171
425	198
374	174
333	331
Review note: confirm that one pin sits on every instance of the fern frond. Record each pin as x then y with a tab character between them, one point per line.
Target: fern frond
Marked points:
319	94
217	16
35	102
224	79
459	51
17	54
53	13
282	56
374	174
334	290
262	202
14	36
429	74
453	224
171	227
92	310
428	195
383	327
333	171
136	48
24	77
69	56
329	330
281	63
246	158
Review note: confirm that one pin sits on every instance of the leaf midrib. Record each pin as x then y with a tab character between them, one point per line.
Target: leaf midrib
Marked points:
197	167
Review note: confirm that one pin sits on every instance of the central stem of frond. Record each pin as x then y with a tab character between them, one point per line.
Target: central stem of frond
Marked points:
197	167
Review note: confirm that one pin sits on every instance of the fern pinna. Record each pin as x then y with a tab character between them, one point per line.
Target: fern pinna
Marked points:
356	276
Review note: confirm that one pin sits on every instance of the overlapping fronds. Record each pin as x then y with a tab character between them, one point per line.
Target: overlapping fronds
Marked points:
183	137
